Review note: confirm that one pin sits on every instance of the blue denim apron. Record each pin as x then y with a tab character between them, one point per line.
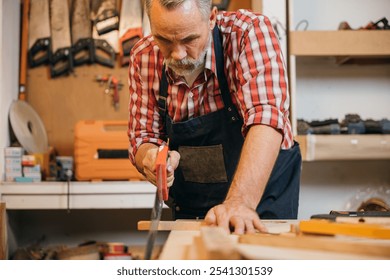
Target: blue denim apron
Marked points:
210	147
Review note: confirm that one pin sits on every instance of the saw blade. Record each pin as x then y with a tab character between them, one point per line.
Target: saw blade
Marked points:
81	23
155	220
82	43
39	21
161	196
39	42
28	127
60	27
61	59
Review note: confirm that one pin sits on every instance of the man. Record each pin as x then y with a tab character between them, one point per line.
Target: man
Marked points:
215	85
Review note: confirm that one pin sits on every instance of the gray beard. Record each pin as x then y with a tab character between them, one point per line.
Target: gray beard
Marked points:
186	66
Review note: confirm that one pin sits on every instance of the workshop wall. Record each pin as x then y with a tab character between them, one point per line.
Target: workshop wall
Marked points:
63	101
9	67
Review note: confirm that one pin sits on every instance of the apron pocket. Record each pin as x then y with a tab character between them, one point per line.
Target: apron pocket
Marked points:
203	164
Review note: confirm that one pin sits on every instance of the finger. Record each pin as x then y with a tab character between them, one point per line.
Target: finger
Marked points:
210	218
151	176
174	159
170	180
260	226
238	225
249	228
222	219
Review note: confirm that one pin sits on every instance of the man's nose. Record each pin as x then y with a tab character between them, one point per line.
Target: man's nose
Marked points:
179	52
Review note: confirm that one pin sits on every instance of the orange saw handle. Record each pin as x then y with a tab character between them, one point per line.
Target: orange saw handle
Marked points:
161	172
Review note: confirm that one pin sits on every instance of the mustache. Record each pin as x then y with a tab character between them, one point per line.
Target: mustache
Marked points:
183	63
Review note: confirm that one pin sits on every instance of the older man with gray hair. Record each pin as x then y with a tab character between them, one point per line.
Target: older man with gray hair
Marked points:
214	84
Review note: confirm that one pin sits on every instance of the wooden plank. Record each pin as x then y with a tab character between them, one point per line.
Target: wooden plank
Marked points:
338	43
173	225
177	245
261	252
379	249
216	244
326	227
346	147
3	232
273	226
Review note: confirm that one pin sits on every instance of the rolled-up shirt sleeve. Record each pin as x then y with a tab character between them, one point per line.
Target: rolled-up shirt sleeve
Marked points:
260	69
144	119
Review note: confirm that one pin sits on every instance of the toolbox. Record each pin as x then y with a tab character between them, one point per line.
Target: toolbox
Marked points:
101	151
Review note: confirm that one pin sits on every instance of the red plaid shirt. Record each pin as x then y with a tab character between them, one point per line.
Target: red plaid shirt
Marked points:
254	69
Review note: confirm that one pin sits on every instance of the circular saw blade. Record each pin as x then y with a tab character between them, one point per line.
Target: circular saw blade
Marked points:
28	127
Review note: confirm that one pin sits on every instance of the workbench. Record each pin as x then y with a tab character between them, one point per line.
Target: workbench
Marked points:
192	239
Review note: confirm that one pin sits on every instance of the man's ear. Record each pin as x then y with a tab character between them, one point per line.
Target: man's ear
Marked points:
213	17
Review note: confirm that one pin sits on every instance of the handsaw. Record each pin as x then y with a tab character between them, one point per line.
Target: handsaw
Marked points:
130	28
61	59
39	41
107	17
82	43
161	196
104	46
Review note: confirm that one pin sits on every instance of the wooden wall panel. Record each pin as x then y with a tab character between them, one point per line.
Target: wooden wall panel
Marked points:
63	101
240	4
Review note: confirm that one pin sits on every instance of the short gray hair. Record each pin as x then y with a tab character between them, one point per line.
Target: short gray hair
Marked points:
203	5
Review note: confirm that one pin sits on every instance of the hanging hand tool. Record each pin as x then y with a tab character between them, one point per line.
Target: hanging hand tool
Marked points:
82	43
107	17
61	60
39	41
105	45
130	28
113	87
161	196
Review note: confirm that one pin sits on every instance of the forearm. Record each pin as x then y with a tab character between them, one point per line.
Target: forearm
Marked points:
258	156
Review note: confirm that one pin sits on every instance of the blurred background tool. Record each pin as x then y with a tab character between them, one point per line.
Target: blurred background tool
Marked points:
61	62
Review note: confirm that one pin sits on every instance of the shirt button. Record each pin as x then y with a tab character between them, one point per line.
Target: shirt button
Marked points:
177	208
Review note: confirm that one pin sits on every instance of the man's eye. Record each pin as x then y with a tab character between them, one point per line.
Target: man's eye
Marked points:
164	41
189	41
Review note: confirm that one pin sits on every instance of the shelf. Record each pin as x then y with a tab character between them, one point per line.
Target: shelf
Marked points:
344	147
82	195
340	43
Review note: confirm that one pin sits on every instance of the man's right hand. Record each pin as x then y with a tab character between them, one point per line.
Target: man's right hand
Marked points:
149	165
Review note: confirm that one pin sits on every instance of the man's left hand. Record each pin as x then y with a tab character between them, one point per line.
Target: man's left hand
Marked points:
235	216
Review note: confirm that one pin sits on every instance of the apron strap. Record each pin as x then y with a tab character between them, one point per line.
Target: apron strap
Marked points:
231	110
163	94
